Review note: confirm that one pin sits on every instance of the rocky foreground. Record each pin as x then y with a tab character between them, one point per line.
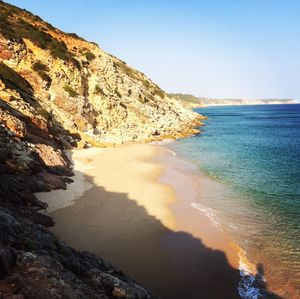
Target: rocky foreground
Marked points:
33	262
58	91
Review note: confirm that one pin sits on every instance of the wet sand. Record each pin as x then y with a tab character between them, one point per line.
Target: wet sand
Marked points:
136	213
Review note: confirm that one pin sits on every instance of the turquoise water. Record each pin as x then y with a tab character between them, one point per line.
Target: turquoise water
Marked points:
254	152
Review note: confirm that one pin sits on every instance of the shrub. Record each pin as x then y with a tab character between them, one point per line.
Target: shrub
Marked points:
72	93
76	63
118	94
74	35
21	21
29	245
60	248
45	77
42	112
159	92
5	26
98	89
89	56
59	49
95	44
39	67
145	83
13	79
37	36
19	29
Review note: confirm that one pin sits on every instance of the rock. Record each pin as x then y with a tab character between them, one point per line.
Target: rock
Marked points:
118	292
15	126
4	153
40	123
8	219
5	168
105	101
31	200
7	261
18	296
156	133
41	219
50	156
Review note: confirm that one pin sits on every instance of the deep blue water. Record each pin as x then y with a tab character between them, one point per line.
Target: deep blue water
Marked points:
254	152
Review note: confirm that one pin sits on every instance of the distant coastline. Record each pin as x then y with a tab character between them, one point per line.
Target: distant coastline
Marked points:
204	102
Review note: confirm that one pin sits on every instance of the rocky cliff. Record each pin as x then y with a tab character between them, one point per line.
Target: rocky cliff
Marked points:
58	91
82	88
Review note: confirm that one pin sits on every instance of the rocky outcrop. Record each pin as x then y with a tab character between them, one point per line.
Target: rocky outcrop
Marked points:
38	265
58	91
33	262
86	90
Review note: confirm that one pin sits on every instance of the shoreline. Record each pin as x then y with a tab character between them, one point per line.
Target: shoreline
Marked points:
135	199
179	174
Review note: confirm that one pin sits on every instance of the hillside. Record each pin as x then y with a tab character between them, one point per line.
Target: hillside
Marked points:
82	88
202	102
57	92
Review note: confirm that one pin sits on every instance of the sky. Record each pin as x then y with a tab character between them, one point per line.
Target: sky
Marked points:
220	49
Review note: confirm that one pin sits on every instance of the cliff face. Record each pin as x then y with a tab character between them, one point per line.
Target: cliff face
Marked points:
82	88
33	262
58	91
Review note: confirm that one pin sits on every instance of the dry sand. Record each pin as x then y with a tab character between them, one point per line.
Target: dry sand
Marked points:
131	206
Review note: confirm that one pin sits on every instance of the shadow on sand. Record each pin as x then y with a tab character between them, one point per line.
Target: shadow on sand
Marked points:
171	264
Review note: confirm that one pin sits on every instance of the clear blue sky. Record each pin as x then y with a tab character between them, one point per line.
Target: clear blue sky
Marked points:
225	48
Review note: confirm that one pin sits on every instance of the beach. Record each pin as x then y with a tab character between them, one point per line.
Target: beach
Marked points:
132	206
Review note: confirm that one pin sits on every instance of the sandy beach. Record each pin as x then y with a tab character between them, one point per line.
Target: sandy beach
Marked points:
132	206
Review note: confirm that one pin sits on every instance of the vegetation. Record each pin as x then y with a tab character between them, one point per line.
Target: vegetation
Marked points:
138	76
89	56
13	79
159	92
38	67
98	90
186	97
42	70
4	22
72	93
29	245
95	44
42	112
74	35
118	94
17	28
45	77
126	69
61	249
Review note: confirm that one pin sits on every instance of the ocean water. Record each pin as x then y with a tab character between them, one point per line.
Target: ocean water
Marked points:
254	154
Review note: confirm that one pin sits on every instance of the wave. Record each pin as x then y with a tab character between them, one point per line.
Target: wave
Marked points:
250	276
172	152
162	142
208	213
248	288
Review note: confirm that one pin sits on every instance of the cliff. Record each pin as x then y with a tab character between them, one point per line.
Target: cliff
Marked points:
58	91
203	102
84	89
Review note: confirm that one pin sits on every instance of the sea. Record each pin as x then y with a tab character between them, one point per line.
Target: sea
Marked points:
253	153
